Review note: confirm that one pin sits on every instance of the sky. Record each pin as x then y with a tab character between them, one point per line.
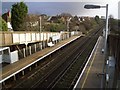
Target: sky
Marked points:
119	10
74	7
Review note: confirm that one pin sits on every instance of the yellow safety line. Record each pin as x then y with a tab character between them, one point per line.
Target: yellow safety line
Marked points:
88	71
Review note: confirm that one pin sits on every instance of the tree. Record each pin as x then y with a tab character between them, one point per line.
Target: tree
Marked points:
31	23
55	27
3	25
19	12
76	18
65	15
97	19
114	25
87	23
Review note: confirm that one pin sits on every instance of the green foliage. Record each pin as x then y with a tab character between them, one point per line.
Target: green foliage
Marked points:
88	25
97	19
4	16
3	25
114	26
55	27
19	12
82	29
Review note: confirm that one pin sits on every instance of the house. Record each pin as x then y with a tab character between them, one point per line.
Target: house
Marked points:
7	17
53	19
9	26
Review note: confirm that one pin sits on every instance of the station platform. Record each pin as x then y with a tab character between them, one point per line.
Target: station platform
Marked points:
12	69
91	76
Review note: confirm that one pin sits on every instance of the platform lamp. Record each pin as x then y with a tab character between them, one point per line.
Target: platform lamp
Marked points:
68	25
106	26
88	6
40	26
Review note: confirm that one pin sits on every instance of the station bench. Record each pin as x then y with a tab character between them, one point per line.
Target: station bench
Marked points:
50	44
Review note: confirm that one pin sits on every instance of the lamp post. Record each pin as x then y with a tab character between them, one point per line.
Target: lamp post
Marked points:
68	22
40	23
106	27
40	26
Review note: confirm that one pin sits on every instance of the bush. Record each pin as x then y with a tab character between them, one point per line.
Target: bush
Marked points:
3	25
54	27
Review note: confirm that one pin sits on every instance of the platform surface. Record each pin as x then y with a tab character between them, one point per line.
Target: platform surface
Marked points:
92	75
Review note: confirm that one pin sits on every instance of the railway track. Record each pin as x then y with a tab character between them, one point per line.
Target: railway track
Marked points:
59	68
50	74
55	74
55	59
69	73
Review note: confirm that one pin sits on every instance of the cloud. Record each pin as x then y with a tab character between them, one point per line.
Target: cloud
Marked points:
75	8
54	8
